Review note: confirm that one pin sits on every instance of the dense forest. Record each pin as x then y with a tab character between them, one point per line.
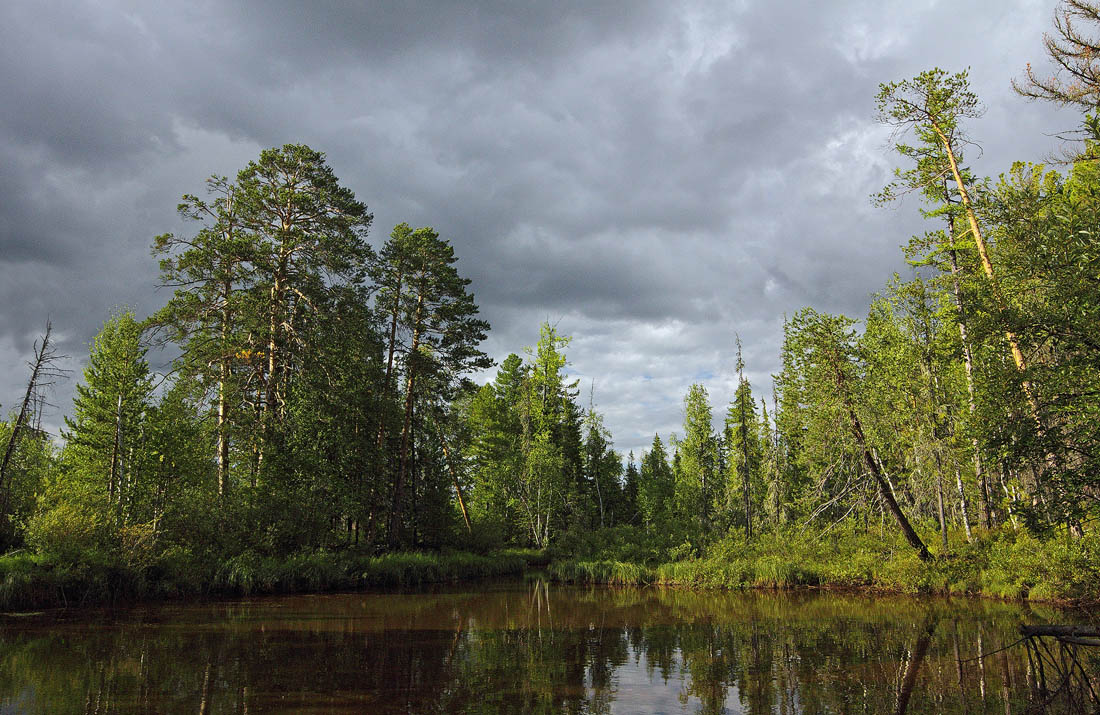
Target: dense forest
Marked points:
322	401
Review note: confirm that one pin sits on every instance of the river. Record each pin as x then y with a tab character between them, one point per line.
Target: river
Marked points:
526	646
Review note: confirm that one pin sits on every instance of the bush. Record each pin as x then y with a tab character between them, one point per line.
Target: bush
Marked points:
68	532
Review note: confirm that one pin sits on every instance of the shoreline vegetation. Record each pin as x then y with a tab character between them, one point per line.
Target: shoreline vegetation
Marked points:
1003	565
320	426
33	581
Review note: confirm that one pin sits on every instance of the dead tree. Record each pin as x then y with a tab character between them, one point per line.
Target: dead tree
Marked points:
44	372
1064	675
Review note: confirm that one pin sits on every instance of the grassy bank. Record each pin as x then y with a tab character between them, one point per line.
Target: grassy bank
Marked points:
31	581
1001	564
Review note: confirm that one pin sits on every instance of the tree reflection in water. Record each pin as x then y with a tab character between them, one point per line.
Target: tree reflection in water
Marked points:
532	647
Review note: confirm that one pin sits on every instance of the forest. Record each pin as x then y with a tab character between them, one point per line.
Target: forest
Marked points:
321	426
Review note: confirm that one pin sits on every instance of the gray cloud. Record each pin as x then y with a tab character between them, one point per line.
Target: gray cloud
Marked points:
655	176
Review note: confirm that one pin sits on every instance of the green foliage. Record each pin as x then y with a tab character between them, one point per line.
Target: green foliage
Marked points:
742	498
103	449
320	413
1002	565
656	487
697	484
68	531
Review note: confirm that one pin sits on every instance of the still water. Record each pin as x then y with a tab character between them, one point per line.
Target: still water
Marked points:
526	647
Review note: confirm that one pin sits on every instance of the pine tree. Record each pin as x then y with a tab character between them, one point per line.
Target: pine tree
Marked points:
308	234
206	316
439	316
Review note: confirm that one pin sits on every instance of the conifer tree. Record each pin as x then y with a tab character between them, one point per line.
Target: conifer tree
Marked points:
440	318
109	410
656	486
744	450
697	485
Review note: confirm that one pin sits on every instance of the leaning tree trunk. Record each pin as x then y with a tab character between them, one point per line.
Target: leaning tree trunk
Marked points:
454	480
872	466
43	356
968	364
987	268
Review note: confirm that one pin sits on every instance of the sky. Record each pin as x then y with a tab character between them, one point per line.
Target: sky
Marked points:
655	178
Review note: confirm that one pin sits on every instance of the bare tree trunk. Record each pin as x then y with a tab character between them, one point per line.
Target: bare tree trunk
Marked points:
939	504
223	398
884	489
987	268
962	505
114	487
458	486
454	480
42	367
41	355
968	363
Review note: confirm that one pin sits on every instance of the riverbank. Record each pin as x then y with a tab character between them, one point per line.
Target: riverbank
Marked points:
34	581
1000	564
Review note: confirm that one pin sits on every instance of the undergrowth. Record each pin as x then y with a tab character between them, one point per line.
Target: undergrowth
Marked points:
39	581
1003	564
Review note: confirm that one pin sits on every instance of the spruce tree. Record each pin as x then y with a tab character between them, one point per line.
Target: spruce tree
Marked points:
105	430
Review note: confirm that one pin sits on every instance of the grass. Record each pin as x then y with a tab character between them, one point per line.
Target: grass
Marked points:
1001	564
32	581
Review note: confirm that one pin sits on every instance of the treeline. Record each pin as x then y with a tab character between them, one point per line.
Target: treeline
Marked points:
311	405
961	409
321	399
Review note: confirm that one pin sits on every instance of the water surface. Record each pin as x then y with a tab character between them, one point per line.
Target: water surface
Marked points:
526	647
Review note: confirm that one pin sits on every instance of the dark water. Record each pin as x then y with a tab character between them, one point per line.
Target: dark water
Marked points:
526	647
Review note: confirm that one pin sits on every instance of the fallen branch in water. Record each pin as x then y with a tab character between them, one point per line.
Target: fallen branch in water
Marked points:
1077	635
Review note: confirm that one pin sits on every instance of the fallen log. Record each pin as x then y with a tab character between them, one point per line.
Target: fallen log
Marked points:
1088	635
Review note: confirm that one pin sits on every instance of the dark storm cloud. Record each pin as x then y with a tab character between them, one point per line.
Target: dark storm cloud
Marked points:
653	176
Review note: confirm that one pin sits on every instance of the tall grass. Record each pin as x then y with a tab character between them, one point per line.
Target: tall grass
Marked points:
619	573
30	581
1001	564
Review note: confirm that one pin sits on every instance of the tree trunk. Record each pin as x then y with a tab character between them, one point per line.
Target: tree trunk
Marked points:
968	363
223	398
884	489
390	351
872	466
114	488
43	356
745	477
987	267
399	483
941	513
21	420
962	505
454	480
